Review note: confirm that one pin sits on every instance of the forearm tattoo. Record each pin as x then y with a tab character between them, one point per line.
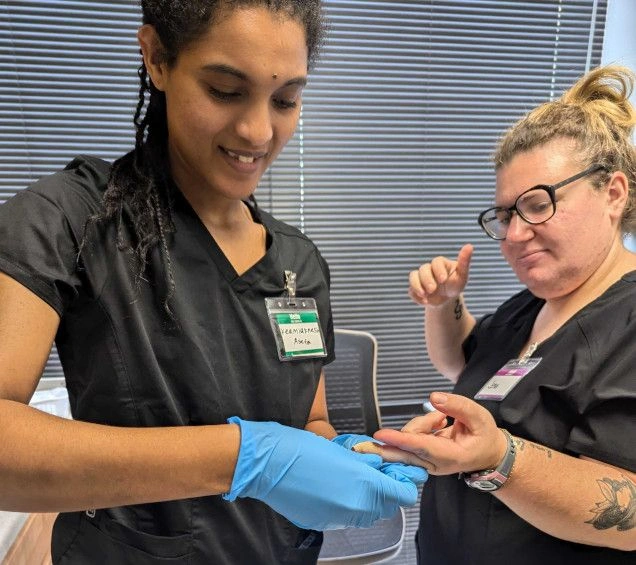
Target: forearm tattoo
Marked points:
459	309
522	443
618	507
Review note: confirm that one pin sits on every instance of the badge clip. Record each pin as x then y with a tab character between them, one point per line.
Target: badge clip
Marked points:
290	287
526	356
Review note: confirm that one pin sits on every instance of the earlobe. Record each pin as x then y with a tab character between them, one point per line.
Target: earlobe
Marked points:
152	52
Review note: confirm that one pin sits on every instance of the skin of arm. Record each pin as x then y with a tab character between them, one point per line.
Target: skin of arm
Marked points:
318	421
576	499
54	464
445	329
438	287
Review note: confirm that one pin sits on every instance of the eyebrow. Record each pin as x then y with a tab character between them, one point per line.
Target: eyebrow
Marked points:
229	70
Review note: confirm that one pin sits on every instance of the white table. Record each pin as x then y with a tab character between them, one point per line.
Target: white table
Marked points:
10	524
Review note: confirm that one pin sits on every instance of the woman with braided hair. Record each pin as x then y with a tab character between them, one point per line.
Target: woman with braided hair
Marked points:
544	406
192	326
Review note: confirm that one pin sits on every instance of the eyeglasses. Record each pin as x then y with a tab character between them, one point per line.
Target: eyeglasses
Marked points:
535	206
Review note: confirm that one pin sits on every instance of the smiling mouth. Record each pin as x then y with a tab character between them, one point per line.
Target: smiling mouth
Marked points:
243	158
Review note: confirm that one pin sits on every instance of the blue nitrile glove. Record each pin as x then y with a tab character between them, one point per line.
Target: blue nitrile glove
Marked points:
313	482
396	470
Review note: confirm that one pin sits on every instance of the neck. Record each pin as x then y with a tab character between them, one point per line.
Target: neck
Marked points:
617	262
213	208
220	213
558	310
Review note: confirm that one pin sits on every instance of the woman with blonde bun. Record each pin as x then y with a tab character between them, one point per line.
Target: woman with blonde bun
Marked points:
541	423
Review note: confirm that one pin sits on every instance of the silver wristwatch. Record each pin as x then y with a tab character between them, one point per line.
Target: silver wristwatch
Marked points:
493	479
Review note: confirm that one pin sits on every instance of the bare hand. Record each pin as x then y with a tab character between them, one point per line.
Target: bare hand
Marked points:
440	280
473	442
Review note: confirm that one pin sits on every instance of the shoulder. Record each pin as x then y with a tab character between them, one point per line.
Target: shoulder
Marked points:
78	188
612	313
288	236
61	201
618	299
292	243
285	230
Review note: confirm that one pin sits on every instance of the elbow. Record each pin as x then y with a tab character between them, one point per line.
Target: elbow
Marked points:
452	376
451	371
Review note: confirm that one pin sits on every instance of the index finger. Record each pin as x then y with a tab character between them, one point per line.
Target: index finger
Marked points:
420	446
406	441
389	453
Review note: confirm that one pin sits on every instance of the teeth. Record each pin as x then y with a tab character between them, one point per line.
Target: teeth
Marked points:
241	158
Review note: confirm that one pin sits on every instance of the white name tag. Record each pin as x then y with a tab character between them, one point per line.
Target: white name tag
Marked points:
506	378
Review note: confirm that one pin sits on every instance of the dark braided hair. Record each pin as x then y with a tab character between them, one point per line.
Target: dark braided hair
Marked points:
141	179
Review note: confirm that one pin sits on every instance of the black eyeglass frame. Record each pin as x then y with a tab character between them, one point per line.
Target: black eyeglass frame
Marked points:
549	188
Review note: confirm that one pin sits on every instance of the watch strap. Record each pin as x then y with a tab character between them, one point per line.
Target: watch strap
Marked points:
493	479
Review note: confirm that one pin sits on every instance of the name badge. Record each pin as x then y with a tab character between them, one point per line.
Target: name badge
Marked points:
296	328
295	324
507	378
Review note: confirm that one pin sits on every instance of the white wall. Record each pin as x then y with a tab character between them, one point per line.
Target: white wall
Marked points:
619	46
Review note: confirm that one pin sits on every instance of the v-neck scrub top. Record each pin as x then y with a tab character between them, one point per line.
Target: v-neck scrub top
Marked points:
579	400
126	364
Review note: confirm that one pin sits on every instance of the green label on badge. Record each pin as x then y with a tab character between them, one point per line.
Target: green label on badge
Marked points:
297	318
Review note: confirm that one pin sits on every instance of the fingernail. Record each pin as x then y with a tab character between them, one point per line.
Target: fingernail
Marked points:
439	397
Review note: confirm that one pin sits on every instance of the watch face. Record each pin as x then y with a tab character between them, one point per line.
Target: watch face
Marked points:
482	484
493	479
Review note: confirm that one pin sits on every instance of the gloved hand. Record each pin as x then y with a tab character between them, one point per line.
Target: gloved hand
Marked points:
398	471
313	482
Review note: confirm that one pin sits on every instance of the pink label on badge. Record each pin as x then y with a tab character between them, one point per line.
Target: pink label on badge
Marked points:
506	378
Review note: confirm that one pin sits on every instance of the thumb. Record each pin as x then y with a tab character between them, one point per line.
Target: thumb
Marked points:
462	409
404	491
463	261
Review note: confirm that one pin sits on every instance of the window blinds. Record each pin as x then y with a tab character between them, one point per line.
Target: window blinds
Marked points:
390	163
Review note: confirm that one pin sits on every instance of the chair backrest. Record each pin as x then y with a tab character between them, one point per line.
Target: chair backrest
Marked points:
350	383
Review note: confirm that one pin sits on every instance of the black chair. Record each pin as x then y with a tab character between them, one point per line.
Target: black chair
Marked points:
350	383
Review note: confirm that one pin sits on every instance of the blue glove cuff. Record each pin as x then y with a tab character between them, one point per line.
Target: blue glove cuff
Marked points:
244	464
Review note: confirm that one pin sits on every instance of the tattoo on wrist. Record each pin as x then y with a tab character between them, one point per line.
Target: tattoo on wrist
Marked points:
618	507
522	443
459	308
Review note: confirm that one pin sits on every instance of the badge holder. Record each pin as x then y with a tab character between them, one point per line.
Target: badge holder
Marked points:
509	376
295	324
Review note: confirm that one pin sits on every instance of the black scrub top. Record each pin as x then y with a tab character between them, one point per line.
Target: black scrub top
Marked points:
579	400
127	364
